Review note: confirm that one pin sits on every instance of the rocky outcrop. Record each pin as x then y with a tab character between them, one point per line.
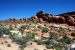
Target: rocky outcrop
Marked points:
21	20
50	17
44	16
40	17
68	18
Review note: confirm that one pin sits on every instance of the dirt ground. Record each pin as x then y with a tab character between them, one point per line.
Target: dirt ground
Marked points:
7	44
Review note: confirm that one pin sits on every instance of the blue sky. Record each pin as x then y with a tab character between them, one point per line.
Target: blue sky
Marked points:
28	8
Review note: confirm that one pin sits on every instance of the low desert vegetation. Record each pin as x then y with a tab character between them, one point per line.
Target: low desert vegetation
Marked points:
5	31
40	27
21	29
45	30
22	40
52	42
73	34
1	32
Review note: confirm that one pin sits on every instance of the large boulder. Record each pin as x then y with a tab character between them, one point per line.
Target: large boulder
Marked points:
61	19
57	19
69	20
50	18
44	16
73	16
34	17
39	20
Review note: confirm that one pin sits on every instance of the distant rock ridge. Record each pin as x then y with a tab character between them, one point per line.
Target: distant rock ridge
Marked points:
67	18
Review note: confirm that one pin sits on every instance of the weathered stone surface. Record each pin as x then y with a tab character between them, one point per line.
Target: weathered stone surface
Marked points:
34	17
68	18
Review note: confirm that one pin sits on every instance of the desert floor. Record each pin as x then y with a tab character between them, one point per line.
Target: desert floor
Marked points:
8	44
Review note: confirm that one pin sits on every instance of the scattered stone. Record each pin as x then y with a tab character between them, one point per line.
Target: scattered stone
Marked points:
6	41
1	42
35	49
8	45
45	49
0	49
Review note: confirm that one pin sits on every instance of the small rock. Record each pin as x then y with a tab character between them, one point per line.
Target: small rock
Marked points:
35	49
45	49
6	41
1	42
0	49
8	45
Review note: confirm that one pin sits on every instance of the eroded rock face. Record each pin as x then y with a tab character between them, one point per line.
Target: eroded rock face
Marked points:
40	20
50	17
44	16
68	18
11	20
61	19
34	17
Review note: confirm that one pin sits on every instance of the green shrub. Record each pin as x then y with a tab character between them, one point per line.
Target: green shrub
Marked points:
39	26
23	26
1	32
73	34
57	29
22	40
31	35
6	31
46	42
45	30
39	42
15	36
65	39
73	39
21	30
34	21
25	39
54	44
11	28
53	35
60	28
58	48
49	46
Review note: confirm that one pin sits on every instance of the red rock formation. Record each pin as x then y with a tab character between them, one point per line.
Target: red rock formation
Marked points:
14	20
68	18
40	20
34	17
44	16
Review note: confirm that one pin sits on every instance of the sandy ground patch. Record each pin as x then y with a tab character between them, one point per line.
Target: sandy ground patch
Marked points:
5	41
